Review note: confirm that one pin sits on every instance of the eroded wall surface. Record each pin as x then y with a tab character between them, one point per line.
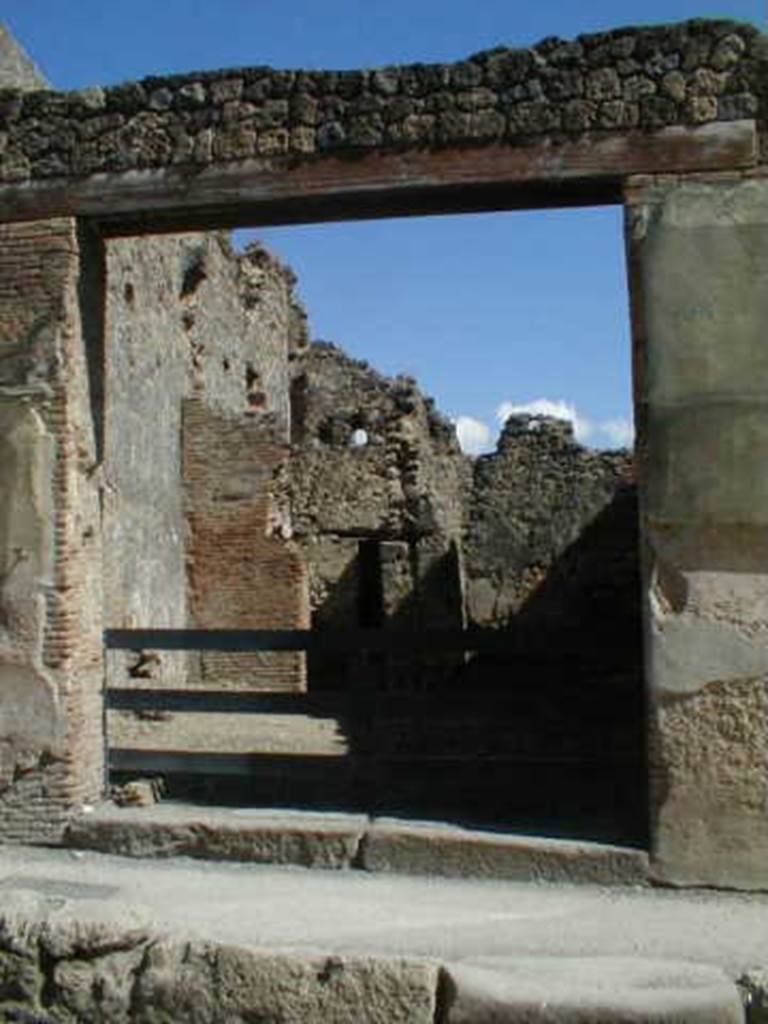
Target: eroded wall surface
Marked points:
50	545
543	507
700	267
538	540
196	430
244	570
376	474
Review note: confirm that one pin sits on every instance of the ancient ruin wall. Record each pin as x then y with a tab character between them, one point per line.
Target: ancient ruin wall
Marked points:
633	78
50	546
374	464
91	436
244	571
51	743
196	375
531	505
540	535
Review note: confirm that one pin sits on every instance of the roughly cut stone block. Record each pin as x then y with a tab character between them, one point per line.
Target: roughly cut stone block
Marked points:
107	964
210	983
431	849
580	990
309	840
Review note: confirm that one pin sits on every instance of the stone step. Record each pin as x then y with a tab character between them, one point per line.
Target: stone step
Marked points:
343	841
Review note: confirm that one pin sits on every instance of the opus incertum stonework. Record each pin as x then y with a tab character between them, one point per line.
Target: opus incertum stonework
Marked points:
669	121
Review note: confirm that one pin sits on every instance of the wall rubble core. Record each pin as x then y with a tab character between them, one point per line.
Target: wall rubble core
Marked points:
688	74
672	119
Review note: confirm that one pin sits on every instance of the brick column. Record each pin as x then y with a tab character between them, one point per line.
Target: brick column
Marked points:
51	662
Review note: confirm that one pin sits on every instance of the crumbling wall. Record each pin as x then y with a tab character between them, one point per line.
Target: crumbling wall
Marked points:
539	537
373	459
375	485
538	540
196	398
51	747
244	571
375	479
552	530
50	552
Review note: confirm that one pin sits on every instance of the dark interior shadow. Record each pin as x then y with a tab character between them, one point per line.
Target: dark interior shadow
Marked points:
546	739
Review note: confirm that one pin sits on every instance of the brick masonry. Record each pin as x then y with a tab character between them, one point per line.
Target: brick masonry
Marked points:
243	573
49	539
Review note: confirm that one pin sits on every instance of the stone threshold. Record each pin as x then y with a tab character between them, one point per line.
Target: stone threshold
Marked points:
344	841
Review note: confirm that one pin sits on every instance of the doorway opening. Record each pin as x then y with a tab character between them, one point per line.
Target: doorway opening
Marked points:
340	498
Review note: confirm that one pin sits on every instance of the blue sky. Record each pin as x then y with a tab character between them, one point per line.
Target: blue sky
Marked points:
488	312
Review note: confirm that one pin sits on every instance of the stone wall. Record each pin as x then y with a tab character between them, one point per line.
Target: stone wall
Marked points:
541	532
196	426
699	204
633	78
17	71
374	460
537	540
547	517
375	482
93	380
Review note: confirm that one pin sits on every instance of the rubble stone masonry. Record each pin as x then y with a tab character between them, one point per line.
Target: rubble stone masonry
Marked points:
632	78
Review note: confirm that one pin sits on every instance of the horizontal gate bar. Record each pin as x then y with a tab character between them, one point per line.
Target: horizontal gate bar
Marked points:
383	641
183	762
225	701
475	703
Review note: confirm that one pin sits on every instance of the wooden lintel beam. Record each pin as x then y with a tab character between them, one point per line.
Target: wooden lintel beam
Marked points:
584	170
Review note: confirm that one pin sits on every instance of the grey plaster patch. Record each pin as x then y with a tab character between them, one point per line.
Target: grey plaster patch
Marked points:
689	652
695	203
28	706
707	457
26	464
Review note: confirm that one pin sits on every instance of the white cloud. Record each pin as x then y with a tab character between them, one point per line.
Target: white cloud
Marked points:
617	433
474	435
560	409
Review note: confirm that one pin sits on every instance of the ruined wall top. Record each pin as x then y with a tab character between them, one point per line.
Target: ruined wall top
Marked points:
631	78
17	69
